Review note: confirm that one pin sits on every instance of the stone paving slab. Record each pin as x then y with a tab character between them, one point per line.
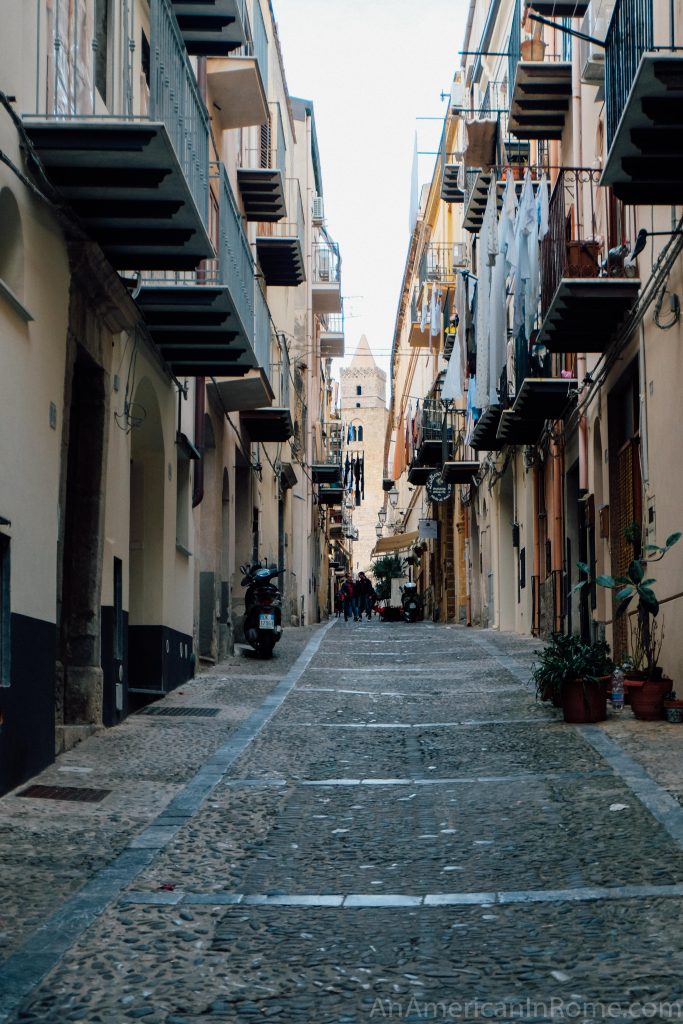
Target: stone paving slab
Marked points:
341	964
49	849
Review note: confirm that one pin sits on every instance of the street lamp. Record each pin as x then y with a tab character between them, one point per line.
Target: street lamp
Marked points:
378	530
382	516
393	496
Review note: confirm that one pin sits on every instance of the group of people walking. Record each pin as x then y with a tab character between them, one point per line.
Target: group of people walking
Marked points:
356	598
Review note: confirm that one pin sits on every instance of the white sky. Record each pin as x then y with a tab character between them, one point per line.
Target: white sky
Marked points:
371	68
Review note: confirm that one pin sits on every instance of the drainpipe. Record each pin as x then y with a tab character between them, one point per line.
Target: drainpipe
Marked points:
558	527
535	619
644	454
200	383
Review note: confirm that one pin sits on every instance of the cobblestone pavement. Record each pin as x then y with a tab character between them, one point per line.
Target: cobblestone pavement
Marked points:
381	823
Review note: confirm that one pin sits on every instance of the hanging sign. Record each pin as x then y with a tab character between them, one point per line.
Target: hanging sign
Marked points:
427	529
437	488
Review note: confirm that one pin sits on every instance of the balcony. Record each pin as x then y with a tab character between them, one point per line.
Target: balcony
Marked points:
279	245
435	433
542	86
538	399
331	494
202	321
452	171
460	472
211	28
644	104
476	195
238	84
485	433
515	429
326	278
138	177
559	8
586	293
332	336
261	179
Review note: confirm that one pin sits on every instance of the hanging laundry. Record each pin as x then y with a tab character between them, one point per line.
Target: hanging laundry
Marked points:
503	265
487	234
424	316
435	312
543	203
347	473
356	476
526	218
362	476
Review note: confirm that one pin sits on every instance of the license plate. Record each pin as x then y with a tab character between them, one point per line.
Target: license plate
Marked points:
266	621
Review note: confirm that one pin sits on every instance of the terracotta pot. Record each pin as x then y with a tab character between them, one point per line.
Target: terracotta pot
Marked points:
673	711
532	49
647	700
584	701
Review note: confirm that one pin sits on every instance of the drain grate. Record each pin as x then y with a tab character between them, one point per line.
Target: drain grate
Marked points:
75	794
181	712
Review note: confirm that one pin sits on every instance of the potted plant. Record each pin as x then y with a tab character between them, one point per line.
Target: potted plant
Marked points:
647	683
572	672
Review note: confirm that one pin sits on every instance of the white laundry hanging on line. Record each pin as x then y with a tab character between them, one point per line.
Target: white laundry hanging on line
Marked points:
435	311
424	316
543	204
488	246
526	214
505	262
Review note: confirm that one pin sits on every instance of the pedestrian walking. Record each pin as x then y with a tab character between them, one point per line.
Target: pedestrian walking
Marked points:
347	591
364	592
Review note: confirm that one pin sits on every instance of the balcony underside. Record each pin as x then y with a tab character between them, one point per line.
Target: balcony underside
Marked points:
418	338
282	260
544	398
196	327
484	436
210	28
326	473
514	429
329	495
586	313
559	8
124	181
459	472
263	193
268	424
253	391
331	345
476	205
451	192
239	99
540	99
327	297
429	453
417	475
644	161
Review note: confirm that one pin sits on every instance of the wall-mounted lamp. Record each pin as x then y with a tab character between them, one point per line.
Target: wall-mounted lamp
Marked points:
393	496
382	516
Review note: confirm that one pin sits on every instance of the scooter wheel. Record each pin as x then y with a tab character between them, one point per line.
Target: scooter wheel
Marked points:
265	647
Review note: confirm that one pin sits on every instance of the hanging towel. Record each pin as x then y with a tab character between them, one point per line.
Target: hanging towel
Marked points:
542	201
435	312
356	475
424	316
347	473
362	475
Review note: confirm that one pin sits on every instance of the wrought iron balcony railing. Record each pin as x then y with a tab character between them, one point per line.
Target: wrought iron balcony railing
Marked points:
326	263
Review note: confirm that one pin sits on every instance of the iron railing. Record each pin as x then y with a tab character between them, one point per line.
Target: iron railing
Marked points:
630	34
326	263
262	333
334	442
436	264
163	88
332	323
236	260
585	234
514	44
279	370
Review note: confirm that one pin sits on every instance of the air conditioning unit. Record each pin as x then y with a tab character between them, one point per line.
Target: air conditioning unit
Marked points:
318	211
592	57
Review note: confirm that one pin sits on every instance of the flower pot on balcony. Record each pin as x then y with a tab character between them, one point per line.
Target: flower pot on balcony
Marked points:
582	259
532	49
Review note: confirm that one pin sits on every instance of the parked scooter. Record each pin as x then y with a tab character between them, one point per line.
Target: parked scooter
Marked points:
263	608
411	602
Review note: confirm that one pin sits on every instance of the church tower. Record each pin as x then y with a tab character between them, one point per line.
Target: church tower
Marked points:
365	416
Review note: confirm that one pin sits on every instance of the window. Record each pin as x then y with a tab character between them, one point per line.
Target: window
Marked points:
360	433
182	508
359	389
4	612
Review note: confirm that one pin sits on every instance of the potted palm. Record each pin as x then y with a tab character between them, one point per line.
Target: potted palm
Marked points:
571	672
646	681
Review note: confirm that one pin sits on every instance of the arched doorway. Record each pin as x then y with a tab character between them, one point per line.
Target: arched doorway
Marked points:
146	539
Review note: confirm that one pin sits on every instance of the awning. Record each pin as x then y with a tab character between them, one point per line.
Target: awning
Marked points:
388	545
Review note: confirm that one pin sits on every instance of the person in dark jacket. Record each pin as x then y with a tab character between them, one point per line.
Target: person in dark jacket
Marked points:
365	593
348	595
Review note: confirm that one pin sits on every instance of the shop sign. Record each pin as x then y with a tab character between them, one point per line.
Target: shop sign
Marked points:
437	488
427	529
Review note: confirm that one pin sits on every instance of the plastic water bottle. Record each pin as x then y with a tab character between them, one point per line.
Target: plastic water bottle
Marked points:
618	689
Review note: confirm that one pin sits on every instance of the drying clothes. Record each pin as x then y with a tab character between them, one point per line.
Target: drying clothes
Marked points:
356	477
452	384
362	475
424	315
525	227
435	312
488	246
505	262
543	203
510	367
347	473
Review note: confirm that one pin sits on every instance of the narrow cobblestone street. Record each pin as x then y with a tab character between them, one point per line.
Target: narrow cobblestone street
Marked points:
379	823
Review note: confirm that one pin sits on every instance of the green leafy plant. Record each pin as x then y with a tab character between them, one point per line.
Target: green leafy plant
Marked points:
646	637
567	658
